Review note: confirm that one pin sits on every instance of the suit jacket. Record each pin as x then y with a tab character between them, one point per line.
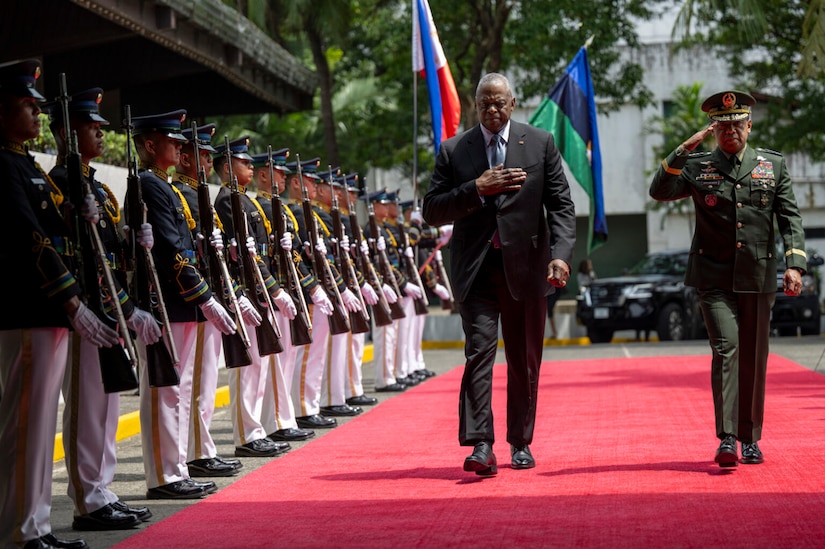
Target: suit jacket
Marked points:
734	244
535	224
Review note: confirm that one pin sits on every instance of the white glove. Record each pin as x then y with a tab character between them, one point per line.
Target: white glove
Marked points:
370	297
444	234
344	244
89	209
321	300
144	325
320	246
285	304
413	291
381	244
217	315
438	255
389	293
249	314
441	291
251	246
145	237
286	242
90	328
351	302
408	252
416	217
216	240
365	248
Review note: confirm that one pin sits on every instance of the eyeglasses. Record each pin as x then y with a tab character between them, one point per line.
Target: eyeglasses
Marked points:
499	105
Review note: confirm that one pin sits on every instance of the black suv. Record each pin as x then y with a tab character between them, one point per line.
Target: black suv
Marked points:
651	296
790	312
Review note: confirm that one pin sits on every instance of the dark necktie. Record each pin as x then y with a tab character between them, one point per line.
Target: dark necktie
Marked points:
497	150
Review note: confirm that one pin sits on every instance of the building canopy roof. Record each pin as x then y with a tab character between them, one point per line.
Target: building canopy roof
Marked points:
157	55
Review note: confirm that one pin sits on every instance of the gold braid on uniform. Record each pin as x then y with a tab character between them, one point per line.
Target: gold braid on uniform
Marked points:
110	204
264	194
216	219
187	213
321	223
267	224
291	217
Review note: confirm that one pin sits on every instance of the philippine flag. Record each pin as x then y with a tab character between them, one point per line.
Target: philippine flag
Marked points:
428	59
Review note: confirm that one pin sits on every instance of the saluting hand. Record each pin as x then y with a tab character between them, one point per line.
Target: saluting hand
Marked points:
499	180
694	140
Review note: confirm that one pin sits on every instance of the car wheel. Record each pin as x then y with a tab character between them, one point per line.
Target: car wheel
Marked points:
600	335
672	325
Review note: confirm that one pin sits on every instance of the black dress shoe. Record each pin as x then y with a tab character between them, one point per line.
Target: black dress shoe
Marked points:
36	544
236	463
408	381
482	461
727	455
316	421
423	372
341	410
751	454
362	400
391	388
291	433
210	467
105	518
521	457
208	487
52	541
182	489
263	447
143	513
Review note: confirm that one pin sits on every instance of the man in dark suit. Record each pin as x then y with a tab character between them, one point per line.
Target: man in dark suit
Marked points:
740	193
503	186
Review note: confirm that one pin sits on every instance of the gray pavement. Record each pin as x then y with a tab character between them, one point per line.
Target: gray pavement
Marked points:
129	480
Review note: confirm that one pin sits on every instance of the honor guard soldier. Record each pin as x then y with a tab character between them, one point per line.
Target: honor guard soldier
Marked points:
90	415
278	410
43	301
247	385
333	397
202	458
385	338
740	195
164	411
353	386
306	388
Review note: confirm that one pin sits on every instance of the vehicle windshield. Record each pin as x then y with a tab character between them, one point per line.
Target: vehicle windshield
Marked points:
670	264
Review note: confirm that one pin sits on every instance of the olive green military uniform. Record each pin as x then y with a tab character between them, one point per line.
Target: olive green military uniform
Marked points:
733	264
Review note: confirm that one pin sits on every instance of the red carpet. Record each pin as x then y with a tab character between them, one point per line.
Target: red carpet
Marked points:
624	449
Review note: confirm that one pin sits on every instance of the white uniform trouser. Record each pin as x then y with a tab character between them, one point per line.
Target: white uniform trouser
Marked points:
90	419
309	367
355	360
164	413
247	385
404	337
204	386
383	339
335	370
278	411
32	362
418	334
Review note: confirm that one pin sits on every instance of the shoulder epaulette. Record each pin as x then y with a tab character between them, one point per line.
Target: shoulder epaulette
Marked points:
769	151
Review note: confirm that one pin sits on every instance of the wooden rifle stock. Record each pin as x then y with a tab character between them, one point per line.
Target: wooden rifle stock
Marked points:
161	358
213	265
117	363
269	339
396	310
450	303
338	321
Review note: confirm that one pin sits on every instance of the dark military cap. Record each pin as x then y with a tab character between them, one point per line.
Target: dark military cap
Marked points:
168	124
205	134
728	106
407	204
239	148
309	168
382	197
17	78
278	160
393	196
83	105
352	182
325	177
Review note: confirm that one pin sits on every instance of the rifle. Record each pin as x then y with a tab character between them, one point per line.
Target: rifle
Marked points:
360	321
161	360
396	310
449	303
300	327
380	311
213	264
412	271
117	363
269	337
338	321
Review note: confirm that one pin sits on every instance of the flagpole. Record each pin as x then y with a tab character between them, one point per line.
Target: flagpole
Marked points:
415	142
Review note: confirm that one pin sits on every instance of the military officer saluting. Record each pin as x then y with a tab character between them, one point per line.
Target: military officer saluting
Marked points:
738	193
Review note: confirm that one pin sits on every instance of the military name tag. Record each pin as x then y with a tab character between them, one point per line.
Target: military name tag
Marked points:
38	181
711	200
